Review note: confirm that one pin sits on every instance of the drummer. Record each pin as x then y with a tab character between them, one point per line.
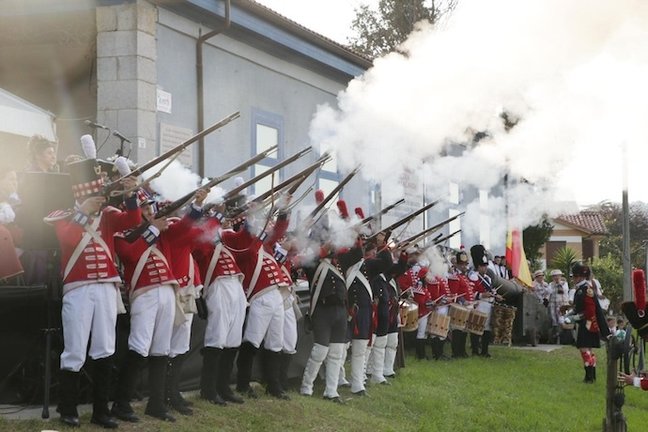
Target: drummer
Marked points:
439	293
411	282
485	295
462	288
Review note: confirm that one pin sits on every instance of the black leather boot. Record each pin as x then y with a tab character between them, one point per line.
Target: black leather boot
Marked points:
474	344
273	385
485	342
101	379
420	349
128	374
157	376
173	397
224	374
247	351
68	397
284	364
209	375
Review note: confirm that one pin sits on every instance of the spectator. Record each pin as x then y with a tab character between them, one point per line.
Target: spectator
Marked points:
9	263
42	155
558	301
541	288
504	271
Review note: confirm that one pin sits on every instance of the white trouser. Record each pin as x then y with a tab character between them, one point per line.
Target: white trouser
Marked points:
88	312
152	315
333	364
226	305
342	381
290	330
368	366
358	349
390	354
265	321
181	336
421	331
317	356
378	359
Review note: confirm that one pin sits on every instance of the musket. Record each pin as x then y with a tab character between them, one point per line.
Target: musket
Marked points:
214	182
426	232
294	182
404	220
381	212
441	240
232	193
177	149
333	193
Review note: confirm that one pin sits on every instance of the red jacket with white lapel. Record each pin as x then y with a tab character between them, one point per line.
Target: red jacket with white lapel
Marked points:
205	247
180	256
94	264
246	248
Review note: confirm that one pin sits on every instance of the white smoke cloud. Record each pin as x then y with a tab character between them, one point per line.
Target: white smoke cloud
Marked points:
573	73
175	181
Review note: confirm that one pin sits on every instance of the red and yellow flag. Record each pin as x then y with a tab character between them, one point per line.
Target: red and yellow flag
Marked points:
516	257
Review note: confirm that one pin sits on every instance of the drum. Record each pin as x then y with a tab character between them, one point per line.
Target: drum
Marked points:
487	308
458	316
409	315
476	322
439	323
502	321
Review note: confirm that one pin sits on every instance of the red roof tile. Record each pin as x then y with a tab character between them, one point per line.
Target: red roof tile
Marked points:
589	221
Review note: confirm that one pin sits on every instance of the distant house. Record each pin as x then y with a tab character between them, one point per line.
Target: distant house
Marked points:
581	232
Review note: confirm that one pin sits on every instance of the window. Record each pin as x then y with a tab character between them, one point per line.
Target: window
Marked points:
267	131
455	225
328	177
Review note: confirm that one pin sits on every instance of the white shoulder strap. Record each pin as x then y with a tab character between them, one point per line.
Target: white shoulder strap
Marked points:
140	266
355	273
212	263
85	240
257	270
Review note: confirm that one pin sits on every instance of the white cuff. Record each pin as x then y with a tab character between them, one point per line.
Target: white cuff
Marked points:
636	381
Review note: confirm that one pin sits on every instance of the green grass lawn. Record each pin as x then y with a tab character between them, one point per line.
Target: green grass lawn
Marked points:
516	390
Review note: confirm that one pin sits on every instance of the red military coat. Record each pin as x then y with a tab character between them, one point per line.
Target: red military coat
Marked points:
252	253
209	253
157	269
95	262
460	284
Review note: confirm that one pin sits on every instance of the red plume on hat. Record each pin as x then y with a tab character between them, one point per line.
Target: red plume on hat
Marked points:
342	207
639	285
319	196
359	212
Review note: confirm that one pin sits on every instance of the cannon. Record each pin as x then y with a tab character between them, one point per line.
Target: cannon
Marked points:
532	322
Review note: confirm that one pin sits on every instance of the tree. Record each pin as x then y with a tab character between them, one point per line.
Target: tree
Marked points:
613	243
382	31
609	272
564	259
534	238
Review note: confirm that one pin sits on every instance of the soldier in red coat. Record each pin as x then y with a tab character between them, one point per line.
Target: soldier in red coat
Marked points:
411	281
90	287
461	287
151	288
185	269
226	303
262	283
439	292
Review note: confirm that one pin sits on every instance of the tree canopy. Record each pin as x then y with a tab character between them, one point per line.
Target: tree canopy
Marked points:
381	31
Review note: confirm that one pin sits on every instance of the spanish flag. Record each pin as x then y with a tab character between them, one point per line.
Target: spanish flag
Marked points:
516	257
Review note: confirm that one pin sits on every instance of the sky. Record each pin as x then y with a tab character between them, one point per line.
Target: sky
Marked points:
331	18
576	121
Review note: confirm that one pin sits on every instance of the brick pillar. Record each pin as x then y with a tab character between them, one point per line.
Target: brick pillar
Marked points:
127	77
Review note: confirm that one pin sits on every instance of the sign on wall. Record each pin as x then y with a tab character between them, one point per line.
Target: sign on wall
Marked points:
164	101
172	136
